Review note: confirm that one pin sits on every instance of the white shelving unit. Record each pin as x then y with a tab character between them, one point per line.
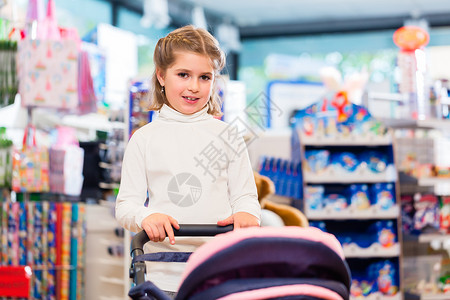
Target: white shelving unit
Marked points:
349	213
332	175
411	123
104	271
439	185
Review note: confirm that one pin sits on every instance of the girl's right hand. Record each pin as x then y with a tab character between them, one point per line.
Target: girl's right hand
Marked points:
158	226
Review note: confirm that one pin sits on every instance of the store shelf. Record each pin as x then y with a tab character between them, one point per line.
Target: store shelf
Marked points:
352	250
433	181
361	140
431	237
350	213
379	296
360	175
409	123
427	296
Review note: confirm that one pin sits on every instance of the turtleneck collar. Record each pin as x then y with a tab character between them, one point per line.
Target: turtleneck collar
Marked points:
169	114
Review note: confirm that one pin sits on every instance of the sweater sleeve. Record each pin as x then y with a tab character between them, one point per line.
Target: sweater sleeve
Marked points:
241	182
130	209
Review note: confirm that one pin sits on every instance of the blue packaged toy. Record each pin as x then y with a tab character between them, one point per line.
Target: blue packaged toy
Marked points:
314	197
346	161
359	196
335	202
376	161
386	279
383	195
386	233
317	160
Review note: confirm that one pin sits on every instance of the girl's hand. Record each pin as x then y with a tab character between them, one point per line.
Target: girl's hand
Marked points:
240	220
158	226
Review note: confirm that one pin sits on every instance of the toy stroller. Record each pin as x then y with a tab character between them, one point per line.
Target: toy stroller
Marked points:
252	263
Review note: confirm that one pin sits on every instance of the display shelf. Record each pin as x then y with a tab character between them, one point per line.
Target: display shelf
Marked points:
379	296
435	296
430	237
352	250
349	213
433	181
352	140
427	296
360	175
410	123
345	167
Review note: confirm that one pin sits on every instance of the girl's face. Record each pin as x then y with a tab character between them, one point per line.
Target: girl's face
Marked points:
188	82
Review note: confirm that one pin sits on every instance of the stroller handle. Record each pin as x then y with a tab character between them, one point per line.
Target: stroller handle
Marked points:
138	269
138	241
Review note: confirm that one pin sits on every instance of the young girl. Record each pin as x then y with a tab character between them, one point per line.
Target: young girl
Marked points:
194	167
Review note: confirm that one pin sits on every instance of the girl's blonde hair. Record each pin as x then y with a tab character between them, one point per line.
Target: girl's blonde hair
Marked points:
187	38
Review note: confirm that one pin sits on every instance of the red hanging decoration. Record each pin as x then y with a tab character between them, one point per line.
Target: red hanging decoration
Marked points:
411	38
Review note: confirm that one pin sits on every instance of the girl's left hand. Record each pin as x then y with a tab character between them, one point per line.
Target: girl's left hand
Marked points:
240	220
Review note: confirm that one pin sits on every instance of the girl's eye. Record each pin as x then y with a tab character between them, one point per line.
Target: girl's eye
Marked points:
183	75
205	77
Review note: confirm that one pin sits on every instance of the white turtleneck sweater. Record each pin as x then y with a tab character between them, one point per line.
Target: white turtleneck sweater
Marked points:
195	169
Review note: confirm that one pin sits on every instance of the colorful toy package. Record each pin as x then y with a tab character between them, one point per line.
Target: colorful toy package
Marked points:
335	116
317	160
335	202
426	212
359	196
344	161
383	195
314	197
376	161
386	233
387	278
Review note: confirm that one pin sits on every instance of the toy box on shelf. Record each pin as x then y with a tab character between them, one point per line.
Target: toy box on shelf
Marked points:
350	190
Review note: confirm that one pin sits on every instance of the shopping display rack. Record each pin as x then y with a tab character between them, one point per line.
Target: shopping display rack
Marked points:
15	281
251	263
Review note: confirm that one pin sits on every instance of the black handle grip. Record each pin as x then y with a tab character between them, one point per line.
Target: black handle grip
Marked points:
138	241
